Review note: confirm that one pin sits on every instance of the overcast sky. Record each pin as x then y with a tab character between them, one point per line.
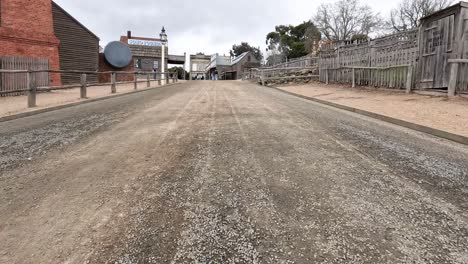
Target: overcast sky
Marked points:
197	26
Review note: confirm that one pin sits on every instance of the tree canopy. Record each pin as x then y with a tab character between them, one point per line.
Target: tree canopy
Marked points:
293	41
237	50
409	12
345	19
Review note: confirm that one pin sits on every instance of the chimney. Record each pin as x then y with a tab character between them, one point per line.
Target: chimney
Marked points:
129	34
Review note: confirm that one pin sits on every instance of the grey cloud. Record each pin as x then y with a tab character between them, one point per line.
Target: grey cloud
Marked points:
207	26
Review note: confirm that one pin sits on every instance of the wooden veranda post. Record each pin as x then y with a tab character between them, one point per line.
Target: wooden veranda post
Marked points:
83	92
32	90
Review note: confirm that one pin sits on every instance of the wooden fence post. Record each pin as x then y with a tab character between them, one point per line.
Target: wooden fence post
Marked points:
113	82
83	92
409	79
326	77
148	82
263	77
32	90
354	77
135	81
452	87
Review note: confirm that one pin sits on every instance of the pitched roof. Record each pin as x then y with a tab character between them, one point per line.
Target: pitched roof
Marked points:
74	19
239	58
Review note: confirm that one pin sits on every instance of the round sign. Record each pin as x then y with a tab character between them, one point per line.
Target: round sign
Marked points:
118	54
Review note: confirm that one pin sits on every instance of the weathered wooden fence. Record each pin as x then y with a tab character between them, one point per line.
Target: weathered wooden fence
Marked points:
11	82
300	68
33	86
385	62
302	62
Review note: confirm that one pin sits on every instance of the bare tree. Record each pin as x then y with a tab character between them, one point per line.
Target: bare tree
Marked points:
408	14
345	19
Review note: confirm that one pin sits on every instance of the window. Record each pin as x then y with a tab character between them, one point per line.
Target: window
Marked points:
138	63
155	64
429	47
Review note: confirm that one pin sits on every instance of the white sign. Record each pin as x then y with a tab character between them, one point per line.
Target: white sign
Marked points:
150	43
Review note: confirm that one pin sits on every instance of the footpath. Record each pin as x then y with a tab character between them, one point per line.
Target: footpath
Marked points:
450	115
14	105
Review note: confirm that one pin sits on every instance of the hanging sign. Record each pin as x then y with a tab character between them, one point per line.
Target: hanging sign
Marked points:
151	43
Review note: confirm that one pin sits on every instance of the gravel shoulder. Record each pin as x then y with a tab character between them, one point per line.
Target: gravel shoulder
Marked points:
228	172
449	115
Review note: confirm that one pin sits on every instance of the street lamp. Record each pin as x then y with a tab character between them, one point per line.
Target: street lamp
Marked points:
163	37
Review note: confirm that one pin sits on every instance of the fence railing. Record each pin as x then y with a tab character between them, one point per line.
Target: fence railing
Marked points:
397	77
32	87
14	81
382	62
306	61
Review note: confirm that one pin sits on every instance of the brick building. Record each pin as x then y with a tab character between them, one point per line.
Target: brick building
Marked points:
27	30
34	32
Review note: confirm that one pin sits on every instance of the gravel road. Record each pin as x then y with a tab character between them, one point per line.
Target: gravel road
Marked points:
227	172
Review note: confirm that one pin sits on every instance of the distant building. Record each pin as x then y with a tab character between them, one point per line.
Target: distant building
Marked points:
147	53
198	64
227	68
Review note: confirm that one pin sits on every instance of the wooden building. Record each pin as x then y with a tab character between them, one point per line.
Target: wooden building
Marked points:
443	36
242	63
228	68
79	47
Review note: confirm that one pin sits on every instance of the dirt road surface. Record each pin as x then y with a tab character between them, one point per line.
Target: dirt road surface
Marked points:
227	172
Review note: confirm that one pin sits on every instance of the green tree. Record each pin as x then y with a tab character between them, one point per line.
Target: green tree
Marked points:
180	72
293	41
237	50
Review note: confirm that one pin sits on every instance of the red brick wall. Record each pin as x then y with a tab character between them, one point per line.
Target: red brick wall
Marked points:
106	67
26	30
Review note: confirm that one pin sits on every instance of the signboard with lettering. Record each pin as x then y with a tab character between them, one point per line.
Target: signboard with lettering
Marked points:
151	43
